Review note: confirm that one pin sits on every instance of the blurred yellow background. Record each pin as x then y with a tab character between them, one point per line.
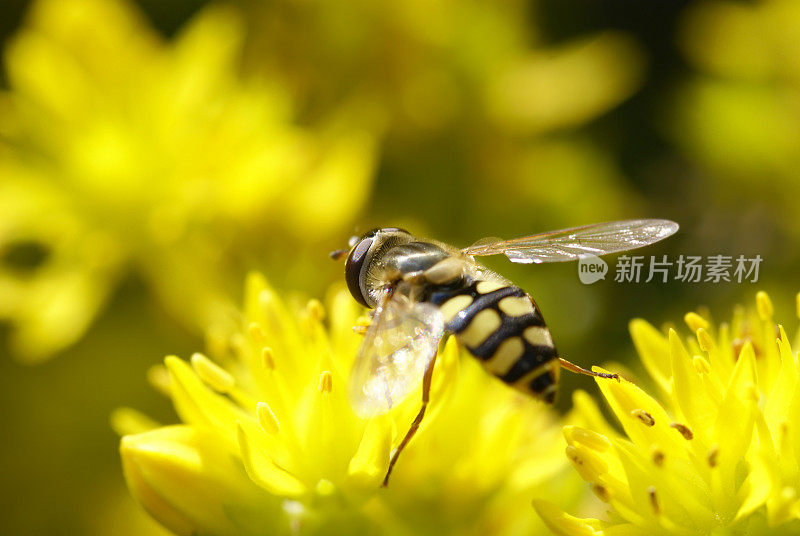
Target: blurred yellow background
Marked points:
151	153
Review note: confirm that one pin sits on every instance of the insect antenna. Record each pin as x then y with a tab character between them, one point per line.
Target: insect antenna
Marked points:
572	367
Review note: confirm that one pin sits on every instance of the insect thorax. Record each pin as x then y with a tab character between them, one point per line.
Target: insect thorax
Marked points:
496	321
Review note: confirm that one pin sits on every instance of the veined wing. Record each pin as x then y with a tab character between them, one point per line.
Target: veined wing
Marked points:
397	348
572	244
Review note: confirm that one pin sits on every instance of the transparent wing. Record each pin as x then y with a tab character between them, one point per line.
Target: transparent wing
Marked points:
572	244
402	340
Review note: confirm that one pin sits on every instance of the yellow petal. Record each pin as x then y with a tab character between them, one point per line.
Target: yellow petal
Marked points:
764	305
263	471
587	414
127	421
653	350
564	524
779	400
691	392
197	404
645	421
371	460
189	482
733	430
756	488
586	462
212	374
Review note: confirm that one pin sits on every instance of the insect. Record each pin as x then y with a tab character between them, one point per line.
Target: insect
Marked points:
421	290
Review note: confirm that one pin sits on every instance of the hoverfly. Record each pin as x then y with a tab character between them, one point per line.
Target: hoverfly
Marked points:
422	290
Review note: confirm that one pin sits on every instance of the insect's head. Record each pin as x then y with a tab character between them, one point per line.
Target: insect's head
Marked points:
363	251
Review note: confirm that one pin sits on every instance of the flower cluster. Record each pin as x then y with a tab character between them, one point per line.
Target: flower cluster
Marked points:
718	452
121	152
270	445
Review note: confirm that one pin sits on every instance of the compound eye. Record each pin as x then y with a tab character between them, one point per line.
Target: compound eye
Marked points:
352	268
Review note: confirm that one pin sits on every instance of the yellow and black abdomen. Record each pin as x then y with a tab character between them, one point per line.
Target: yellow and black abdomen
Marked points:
503	328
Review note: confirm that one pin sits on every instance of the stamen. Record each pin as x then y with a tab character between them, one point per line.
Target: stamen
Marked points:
653	500
643	416
325	382
267	358
713	454
316	310
256	333
267	419
695	321
601	492
705	340
658	457
589	438
685	431
797	304
212	374
701	365
588	463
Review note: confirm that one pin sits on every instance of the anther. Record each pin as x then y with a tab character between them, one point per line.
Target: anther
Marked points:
267	358
589	438
256	333
651	491
643	416
713	454
701	365
695	321
316	310
705	340
658	457
325	382
684	430
601	492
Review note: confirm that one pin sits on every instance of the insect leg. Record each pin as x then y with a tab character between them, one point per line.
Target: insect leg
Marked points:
426	394
578	370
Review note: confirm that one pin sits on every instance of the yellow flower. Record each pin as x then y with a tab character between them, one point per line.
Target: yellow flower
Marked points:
269	443
718	452
121	152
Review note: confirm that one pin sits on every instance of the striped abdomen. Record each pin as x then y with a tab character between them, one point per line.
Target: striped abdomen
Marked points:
502	327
